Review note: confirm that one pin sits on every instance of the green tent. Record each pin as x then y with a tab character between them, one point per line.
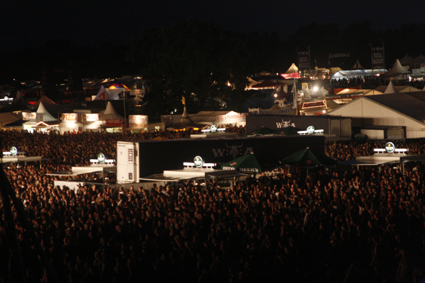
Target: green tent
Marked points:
287	131
244	164
307	157
263	131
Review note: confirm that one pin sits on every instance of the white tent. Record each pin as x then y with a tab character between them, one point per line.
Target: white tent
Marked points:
341	74
110	113
43	114
393	109
390	88
399	88
397	70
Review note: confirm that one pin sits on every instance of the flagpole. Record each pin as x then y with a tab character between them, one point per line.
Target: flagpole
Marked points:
294	94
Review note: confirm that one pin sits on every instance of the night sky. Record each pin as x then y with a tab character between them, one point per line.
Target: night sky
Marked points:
30	24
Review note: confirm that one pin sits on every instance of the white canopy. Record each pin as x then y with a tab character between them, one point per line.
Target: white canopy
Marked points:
397	70
110	112
42	111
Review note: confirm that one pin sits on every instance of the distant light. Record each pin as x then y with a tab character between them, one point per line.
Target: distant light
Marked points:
324	111
315	88
275	95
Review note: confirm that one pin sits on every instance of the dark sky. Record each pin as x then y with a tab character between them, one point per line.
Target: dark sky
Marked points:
24	24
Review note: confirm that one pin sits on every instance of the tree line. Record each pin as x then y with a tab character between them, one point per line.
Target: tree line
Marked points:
207	64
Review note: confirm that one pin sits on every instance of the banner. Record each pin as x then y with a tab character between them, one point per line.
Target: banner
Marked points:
378	57
69	117
303	60
138	121
28	116
113	122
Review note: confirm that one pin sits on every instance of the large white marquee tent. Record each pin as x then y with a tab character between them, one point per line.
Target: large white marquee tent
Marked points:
394	109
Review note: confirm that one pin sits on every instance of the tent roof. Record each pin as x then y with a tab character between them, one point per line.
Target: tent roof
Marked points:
45	100
244	164
397	69
390	88
357	65
404	103
364	91
267	84
110	113
307	157
418	60
261	131
292	69
357	73
399	88
9	117
208	116
287	131
46	115
406	60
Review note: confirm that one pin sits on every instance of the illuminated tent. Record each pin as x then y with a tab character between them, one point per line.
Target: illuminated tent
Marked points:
267	84
115	91
70	123
292	69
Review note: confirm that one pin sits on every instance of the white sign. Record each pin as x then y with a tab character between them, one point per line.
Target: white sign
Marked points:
198	161
231	117
92	117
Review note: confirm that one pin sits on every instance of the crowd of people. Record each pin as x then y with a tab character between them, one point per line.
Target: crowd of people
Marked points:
337	224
